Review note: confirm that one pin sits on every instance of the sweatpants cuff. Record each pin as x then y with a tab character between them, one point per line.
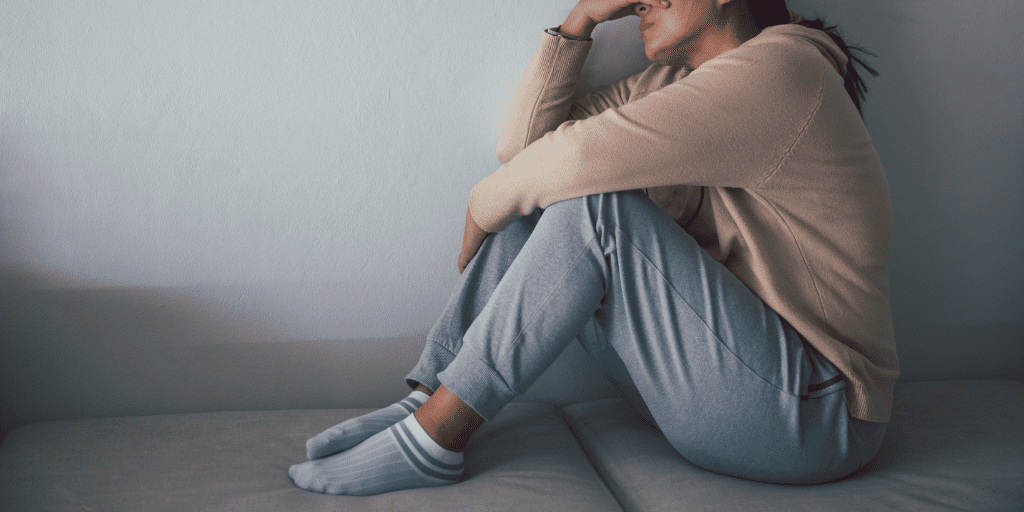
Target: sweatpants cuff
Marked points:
434	359
477	383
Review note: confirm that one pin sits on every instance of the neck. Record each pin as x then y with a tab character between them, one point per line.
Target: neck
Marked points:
734	27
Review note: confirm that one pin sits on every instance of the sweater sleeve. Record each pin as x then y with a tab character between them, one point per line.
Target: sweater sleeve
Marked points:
729	123
543	98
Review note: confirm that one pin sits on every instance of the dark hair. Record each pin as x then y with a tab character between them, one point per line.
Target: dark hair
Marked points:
767	13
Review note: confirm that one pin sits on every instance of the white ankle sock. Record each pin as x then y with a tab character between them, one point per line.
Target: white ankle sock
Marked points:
403	456
351	432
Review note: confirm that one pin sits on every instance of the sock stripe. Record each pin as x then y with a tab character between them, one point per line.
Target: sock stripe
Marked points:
382	423
419	453
426	455
415	399
423	468
407	406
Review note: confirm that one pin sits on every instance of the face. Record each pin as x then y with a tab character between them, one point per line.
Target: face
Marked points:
670	34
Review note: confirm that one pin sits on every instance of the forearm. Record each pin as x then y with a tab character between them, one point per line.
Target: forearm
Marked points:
544	94
720	126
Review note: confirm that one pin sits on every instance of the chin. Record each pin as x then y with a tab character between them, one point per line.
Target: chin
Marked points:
669	60
653	55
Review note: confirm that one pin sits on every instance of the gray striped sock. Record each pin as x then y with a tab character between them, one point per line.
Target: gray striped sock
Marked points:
351	432
400	457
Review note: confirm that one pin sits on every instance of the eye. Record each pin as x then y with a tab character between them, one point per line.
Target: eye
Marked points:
641	8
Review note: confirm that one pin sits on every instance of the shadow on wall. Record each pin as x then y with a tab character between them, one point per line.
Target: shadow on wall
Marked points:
71	353
98	352
920	152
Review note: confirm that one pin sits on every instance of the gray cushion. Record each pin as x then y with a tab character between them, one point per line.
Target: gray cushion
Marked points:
955	445
526	459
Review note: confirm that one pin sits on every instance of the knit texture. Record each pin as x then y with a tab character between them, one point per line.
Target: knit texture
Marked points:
402	456
797	204
356	430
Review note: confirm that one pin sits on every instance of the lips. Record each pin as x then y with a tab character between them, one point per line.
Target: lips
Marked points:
645	26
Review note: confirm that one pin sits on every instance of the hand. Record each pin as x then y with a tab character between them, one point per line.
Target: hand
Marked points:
587	14
472	237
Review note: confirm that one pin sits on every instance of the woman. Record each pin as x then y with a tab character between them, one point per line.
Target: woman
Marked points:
714	230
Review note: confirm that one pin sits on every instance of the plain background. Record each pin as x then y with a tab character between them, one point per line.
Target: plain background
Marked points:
225	204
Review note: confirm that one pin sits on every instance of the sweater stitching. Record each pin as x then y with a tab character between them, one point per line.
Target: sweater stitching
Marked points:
803	259
782	218
803	130
544	87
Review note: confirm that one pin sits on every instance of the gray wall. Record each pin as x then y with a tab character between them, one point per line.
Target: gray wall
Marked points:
214	205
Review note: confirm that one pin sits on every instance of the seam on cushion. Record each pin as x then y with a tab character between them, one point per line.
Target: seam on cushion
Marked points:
593	464
702	320
803	129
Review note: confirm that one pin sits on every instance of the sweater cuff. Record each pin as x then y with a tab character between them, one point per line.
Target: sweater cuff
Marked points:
490	215
556	32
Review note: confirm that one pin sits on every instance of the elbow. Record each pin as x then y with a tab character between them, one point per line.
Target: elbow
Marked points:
509	145
506	153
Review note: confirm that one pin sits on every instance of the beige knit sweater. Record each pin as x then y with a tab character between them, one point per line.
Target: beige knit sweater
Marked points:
797	202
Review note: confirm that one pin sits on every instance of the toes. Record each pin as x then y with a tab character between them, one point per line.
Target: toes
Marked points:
306	476
326	443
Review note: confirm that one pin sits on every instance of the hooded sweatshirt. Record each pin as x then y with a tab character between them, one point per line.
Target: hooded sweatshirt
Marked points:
796	201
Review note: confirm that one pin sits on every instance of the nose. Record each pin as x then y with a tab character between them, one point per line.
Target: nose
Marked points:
640	8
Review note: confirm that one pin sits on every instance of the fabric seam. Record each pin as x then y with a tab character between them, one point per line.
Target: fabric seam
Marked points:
702	320
519	336
446	349
803	130
590	458
799	247
544	87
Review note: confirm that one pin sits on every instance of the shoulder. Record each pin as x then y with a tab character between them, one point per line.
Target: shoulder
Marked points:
776	74
783	58
655	77
796	47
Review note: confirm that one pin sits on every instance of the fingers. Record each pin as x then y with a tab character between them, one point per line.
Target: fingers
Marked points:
642	7
599	11
472	237
464	258
652	3
469	249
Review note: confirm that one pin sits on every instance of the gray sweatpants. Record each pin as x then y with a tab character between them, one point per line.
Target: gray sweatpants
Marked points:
734	388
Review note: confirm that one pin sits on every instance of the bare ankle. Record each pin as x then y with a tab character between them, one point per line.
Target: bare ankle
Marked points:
448	420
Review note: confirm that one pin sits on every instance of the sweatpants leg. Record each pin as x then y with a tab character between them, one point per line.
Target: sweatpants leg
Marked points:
731	384
478	281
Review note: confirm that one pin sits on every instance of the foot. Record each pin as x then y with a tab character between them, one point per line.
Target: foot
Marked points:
351	432
400	457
